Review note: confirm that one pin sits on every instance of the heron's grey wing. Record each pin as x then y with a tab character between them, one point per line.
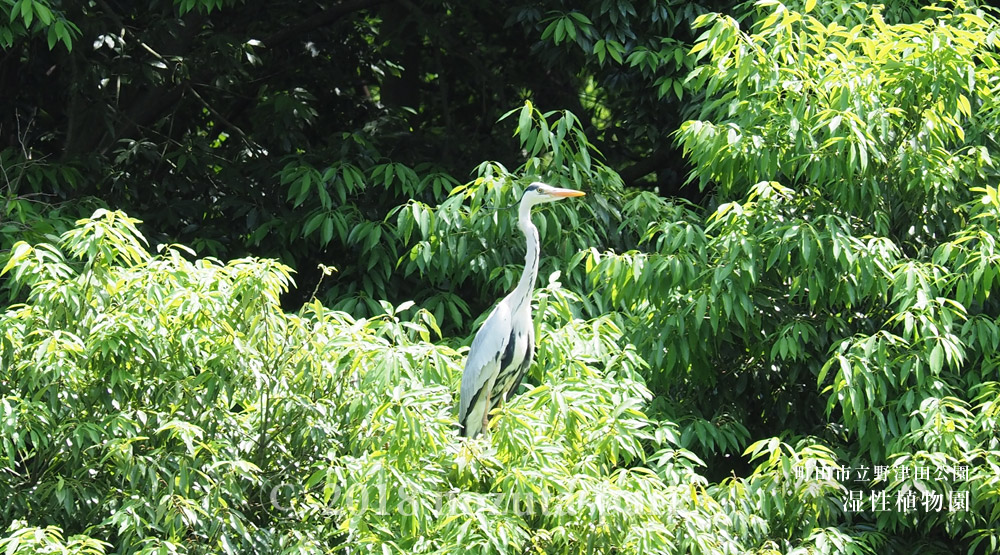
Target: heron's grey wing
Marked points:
529	355
483	362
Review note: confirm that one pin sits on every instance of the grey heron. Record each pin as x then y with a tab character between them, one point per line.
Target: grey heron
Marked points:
504	346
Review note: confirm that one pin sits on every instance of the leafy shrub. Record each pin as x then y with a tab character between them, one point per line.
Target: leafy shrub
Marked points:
161	403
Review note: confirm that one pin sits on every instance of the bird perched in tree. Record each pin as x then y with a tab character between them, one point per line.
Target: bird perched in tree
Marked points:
505	345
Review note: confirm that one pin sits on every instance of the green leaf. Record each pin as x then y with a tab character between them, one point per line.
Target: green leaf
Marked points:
524	122
700	307
313	223
64	34
326	233
27	12
43	12
20	251
936	359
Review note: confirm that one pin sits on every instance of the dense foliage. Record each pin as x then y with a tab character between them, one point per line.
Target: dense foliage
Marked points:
290	129
799	357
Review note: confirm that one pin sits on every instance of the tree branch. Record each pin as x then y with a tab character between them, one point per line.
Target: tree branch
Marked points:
647	165
222	119
320	19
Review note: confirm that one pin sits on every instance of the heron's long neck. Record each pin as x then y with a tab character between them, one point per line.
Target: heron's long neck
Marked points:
522	294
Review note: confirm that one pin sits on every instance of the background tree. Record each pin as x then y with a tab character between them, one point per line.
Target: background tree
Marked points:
291	130
714	372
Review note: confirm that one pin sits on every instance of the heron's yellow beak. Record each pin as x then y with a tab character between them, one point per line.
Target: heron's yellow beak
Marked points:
563	193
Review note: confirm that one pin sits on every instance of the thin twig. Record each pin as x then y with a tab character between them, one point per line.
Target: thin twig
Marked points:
246	140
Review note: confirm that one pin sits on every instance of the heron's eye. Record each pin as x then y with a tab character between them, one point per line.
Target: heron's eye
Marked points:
531	188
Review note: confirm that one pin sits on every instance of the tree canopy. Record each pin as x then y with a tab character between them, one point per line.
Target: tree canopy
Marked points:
246	245
277	128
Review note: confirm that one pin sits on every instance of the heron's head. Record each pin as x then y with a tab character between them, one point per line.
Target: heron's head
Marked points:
539	192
